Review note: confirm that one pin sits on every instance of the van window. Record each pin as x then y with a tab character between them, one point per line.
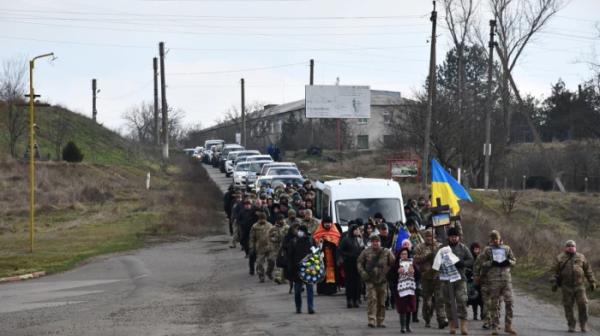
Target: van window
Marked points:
347	210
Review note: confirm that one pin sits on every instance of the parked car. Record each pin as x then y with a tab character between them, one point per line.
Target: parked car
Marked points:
242	157
276	164
239	174
283	171
232	156
255	167
275	181
228	148
207	154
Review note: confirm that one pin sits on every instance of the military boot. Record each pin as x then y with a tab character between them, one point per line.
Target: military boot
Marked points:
583	327
494	330
463	327
509	330
452	327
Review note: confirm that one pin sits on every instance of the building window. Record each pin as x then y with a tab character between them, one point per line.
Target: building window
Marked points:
279	126
362	141
387	117
363	121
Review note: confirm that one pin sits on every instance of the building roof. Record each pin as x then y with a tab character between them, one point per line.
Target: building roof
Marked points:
378	98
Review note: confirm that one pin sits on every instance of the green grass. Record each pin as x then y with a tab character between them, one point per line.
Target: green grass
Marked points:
98	144
65	238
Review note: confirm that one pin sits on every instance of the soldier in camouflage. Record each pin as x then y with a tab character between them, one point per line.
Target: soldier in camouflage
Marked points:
480	278
570	270
373	265
430	284
310	222
276	234
259	245
459	288
497	259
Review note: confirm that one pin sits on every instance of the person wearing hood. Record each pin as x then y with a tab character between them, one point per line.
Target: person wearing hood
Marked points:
497	260
463	260
350	248
570	270
299	248
328	237
259	245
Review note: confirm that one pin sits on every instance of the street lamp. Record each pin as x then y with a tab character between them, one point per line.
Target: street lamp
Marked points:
31	154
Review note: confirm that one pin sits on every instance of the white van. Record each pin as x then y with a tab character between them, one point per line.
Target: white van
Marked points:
348	199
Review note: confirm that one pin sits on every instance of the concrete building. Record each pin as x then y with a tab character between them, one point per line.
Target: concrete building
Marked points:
287	126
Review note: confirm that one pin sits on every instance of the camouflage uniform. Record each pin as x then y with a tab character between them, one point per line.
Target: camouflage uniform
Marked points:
459	288
311	224
423	256
276	234
572	269
259	244
480	274
375	281
499	283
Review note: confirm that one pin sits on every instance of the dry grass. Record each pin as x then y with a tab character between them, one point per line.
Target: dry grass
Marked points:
84	210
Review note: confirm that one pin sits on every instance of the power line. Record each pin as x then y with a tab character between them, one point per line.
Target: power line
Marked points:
237	70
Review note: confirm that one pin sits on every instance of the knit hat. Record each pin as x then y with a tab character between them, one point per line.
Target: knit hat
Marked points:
428	233
570	243
453	232
494	235
291	212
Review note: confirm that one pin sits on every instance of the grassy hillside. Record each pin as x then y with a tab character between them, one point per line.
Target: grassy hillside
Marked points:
98	144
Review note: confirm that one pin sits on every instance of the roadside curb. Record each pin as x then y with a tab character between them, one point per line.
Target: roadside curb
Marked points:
16	278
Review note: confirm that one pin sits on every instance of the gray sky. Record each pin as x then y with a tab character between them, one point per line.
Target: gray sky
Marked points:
213	43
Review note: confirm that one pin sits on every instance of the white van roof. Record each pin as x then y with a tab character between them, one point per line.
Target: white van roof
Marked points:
365	187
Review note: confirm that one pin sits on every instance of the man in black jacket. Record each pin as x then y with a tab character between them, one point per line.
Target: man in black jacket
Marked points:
246	219
350	248
298	249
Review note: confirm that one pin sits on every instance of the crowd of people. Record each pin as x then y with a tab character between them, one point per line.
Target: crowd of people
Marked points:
401	266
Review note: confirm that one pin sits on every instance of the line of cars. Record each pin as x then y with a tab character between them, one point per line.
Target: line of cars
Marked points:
249	169
343	199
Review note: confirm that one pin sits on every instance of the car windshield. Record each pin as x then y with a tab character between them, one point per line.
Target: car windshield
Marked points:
281	181
347	210
256	166
283	171
242	167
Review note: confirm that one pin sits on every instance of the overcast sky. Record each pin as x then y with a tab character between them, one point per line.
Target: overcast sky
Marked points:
213	43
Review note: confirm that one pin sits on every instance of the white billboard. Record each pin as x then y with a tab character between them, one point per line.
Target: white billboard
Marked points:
337	101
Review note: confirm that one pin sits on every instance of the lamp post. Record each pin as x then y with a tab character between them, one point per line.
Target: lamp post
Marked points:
31	154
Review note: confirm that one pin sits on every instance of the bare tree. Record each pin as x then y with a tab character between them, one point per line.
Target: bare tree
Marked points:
518	21
58	131
12	90
459	19
140	120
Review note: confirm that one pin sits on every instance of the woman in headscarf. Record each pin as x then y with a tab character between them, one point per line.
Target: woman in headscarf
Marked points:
405	289
328	236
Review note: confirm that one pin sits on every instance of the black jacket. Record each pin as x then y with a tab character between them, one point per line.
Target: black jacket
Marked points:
350	249
298	249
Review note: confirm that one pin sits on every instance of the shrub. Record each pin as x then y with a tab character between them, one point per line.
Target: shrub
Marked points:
72	153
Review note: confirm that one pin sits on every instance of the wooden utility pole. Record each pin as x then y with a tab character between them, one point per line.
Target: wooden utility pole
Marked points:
431	97
163	93
94	91
311	82
243	114
487	147
156	126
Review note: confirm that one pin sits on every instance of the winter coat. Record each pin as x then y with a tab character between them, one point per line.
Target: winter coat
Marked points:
574	269
494	271
382	259
276	237
423	258
351	247
297	250
259	237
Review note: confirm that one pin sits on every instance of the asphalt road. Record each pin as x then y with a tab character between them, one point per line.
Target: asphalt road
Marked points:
199	287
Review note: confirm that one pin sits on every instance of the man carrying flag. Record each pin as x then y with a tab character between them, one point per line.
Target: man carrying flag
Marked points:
446	188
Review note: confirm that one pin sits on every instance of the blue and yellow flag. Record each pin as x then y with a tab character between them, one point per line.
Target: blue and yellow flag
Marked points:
446	188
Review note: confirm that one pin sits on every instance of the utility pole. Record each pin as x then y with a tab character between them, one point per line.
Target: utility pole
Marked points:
156	126
163	93
487	147
243	114
431	97
311	82
94	111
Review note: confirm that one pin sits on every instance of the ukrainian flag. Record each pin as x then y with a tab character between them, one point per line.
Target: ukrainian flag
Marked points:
446	188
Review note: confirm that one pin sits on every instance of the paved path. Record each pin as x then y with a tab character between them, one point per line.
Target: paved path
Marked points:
199	287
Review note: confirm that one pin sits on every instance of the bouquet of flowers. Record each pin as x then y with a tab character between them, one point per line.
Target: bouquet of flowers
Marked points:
312	267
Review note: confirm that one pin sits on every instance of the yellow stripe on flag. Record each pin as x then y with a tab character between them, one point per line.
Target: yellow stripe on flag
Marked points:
443	191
